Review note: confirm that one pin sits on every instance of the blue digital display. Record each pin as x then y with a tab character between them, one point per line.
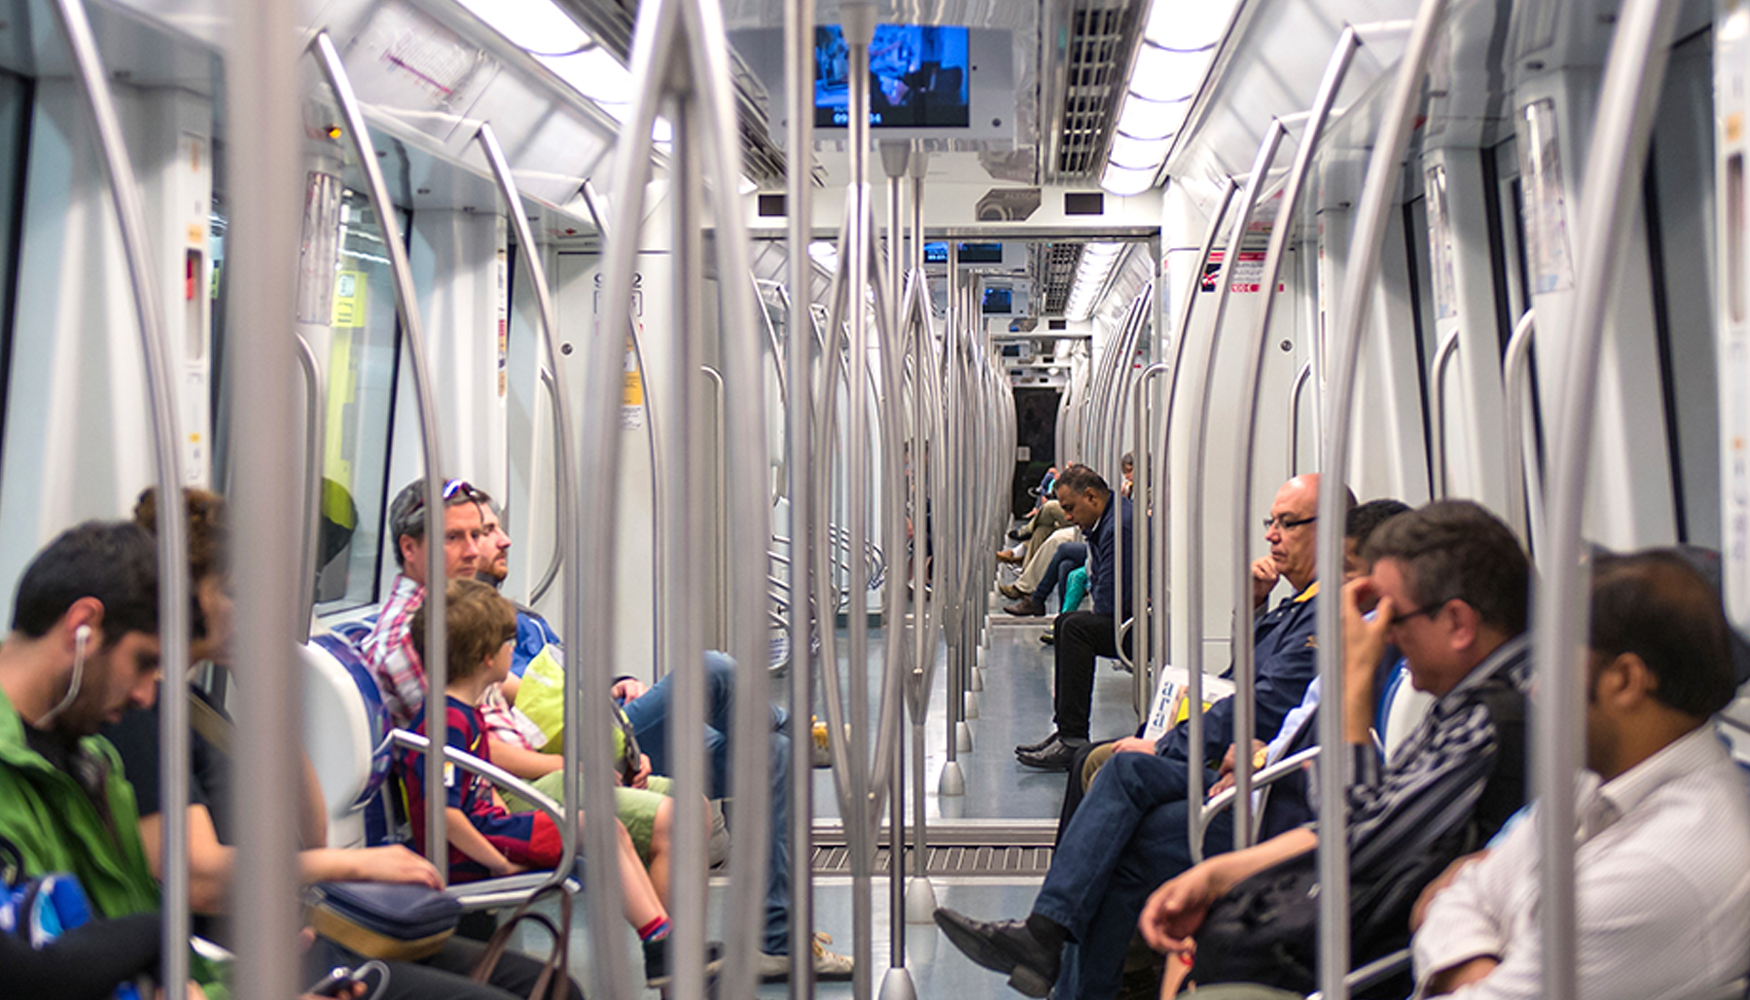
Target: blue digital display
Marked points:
917	76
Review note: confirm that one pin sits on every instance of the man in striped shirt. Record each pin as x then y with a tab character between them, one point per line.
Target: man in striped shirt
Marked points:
1452	584
1662	865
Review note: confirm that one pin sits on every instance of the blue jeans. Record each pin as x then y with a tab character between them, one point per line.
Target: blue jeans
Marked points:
1125	839
1068	556
649	718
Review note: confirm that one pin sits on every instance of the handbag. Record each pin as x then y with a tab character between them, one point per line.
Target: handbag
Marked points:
395	922
555	978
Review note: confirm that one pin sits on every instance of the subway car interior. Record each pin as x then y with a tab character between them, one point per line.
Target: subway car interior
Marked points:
793	330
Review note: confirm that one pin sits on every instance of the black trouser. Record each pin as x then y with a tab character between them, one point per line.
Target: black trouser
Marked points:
1081	636
443	976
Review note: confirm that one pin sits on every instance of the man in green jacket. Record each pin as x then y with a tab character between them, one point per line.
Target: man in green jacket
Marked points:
83	649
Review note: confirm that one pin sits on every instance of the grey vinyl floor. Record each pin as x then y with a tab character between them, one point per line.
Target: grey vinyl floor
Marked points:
1013	708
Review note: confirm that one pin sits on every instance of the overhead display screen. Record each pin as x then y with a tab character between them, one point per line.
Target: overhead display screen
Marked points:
918	77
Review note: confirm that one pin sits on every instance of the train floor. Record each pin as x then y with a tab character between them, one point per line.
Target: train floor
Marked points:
1001	795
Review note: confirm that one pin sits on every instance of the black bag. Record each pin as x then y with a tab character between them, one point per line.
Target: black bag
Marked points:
554	982
403	923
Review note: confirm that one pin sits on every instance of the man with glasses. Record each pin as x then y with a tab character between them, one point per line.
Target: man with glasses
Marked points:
389	649
1452	584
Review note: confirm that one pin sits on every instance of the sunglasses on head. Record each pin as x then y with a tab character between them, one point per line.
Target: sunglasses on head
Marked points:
452	489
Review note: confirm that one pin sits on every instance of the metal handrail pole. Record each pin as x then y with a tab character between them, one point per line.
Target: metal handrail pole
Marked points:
1628	99
952	782
1255	183
828	535
773	344
1143	656
567	488
551	574
413	333
1357	295
1524	485
264	176
805	506
173	594
1244	654
1437	403
1163	539
312	520
1301	378
719	486
1118	388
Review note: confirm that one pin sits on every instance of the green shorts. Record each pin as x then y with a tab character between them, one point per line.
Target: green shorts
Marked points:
636	807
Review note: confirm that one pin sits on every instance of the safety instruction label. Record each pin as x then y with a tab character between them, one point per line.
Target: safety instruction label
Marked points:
1248	273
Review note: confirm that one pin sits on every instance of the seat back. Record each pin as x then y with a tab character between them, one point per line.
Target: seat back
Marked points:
1401	709
345	736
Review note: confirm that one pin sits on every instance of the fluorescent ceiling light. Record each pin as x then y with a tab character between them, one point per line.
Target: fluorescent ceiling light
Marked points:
1091	274
1124	181
1136	153
1188	24
535	26
1165	75
825	254
1141	118
597	75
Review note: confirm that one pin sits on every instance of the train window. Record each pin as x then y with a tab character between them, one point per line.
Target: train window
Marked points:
14	139
358	365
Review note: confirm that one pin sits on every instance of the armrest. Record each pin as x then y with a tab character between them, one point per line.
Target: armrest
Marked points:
1261	779
493	892
1374	972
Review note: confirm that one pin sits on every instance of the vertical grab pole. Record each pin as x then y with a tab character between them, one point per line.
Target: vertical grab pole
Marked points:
262	85
1370	222
798	72
407	310
1194	500
1301	378
926	416
1245	663
1628	97
1437	402
565	474
312	519
1143	635
1163	538
173	594
953	780
1524	485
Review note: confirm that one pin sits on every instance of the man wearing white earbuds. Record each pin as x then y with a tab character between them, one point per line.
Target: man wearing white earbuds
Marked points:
82	650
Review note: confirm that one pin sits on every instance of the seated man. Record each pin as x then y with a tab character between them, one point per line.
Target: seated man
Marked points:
646	710
1130	835
1045	573
1045	522
1452	584
1084	635
1662	864
83	649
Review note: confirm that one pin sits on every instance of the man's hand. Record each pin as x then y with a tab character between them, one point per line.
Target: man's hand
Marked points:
628	689
1419	912
1133	744
395	863
1363	648
642	778
1225	780
1176	910
1264	577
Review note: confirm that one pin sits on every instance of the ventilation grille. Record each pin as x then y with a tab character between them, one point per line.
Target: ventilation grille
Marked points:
1057	276
990	861
1101	39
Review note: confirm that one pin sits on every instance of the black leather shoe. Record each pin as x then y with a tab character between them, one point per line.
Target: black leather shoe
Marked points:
1049	637
1004	946
1036	747
1026	607
1056	757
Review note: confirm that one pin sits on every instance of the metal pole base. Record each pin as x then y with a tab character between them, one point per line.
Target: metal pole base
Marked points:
971	701
962	738
920	901
976	681
953	781
897	985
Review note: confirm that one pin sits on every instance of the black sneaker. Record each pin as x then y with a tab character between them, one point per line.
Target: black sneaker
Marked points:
1005	946
656	967
1036	747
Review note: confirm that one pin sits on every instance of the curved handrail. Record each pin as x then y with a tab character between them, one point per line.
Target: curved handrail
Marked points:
1437	403
1244	653
312	520
1143	503
1524	481
1371	216
1628	98
1301	378
551	573
173	592
568	487
413	330
1255	182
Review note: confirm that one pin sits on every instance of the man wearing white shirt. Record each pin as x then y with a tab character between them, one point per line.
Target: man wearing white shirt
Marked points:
1662	870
